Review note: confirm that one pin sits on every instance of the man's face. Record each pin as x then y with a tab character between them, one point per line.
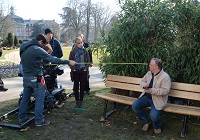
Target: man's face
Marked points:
49	36
153	67
82	37
41	43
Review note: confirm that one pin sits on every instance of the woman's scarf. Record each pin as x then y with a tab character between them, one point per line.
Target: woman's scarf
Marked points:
79	58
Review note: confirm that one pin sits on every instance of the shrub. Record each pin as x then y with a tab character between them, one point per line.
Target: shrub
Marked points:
153	28
8	70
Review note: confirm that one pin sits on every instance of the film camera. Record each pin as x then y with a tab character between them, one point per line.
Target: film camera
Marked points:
54	96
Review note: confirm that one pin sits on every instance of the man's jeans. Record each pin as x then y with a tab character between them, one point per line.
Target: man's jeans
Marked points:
142	103
32	87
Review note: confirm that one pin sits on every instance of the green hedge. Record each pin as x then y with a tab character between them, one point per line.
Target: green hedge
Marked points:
153	28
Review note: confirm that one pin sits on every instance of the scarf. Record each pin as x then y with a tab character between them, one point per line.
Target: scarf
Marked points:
79	58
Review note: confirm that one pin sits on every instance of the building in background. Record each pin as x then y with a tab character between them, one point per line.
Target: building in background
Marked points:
23	28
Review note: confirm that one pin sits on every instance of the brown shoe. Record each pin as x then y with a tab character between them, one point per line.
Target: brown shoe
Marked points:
157	131
146	127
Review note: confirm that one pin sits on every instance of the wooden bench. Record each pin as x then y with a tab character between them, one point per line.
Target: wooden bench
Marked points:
180	91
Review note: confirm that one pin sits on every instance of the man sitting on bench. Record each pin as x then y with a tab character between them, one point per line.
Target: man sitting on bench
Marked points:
156	84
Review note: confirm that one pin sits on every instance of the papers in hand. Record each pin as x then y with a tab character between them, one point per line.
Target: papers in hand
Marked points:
62	67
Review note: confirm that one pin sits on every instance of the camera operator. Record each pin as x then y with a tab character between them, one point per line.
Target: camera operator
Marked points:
56	47
2	88
33	81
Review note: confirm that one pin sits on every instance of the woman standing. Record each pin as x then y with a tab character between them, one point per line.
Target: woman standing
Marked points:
79	71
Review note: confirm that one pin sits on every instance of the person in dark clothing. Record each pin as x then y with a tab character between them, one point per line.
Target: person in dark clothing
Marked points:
56	47
33	81
79	71
55	44
2	88
87	83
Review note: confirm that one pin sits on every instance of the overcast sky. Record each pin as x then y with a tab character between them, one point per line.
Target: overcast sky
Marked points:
47	9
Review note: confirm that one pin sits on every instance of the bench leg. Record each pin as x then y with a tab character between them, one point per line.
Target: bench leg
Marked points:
105	109
106	114
185	121
183	131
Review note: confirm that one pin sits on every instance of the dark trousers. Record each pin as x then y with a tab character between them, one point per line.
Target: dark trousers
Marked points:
87	87
1	84
87	84
79	83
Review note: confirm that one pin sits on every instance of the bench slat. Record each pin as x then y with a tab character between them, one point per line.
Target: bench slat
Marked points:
135	80
124	86
124	79
186	87
173	108
183	109
184	94
116	98
173	93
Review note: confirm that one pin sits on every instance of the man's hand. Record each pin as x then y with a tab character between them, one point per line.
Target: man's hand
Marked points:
148	90
72	63
90	65
146	86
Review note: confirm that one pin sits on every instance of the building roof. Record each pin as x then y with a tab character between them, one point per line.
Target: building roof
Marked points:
18	19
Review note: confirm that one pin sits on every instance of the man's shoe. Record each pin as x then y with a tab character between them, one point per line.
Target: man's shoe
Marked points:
23	121
3	89
146	127
45	122
157	131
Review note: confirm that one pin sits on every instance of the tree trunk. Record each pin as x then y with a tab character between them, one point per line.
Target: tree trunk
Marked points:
88	21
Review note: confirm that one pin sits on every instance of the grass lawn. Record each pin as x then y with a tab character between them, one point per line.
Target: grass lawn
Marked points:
6	52
12	72
70	124
66	51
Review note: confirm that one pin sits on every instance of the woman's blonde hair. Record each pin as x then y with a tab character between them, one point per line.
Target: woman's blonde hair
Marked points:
78	40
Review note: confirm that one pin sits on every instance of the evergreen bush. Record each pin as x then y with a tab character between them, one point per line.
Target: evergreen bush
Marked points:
155	28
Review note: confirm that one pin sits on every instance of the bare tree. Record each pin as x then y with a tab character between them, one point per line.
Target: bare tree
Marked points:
74	17
84	17
101	16
5	19
88	20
